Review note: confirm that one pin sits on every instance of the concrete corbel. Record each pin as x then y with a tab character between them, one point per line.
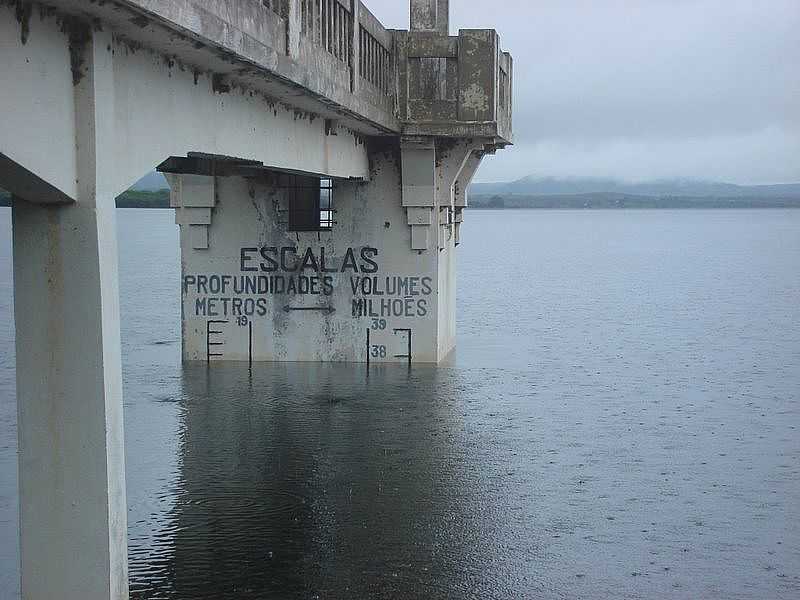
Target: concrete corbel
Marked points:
455	165
193	197
450	163
418	158
461	190
464	178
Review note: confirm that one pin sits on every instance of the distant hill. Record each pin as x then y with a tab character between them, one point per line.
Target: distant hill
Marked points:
615	200
686	188
151	182
548	192
130	199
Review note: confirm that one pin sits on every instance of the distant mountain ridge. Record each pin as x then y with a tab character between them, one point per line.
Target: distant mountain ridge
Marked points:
151	182
550	186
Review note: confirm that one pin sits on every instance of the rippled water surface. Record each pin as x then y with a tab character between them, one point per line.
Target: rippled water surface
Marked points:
620	420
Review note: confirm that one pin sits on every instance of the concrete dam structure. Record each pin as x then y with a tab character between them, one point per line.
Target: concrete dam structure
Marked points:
318	165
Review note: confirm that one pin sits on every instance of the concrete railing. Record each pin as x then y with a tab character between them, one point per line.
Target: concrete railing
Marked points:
352	45
436	84
420	82
455	86
329	24
376	65
349	32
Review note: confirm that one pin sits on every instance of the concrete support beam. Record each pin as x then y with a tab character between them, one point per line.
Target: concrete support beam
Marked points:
461	187
73	520
465	177
456	162
435	174
25	184
450	161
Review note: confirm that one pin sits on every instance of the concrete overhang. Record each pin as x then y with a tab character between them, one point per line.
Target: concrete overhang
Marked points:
455	86
215	165
241	43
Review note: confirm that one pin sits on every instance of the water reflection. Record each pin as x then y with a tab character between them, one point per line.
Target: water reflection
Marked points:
622	423
314	480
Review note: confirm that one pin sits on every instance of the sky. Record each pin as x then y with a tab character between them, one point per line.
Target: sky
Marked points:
644	89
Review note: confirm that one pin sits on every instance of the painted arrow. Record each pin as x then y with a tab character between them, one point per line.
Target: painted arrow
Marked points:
326	309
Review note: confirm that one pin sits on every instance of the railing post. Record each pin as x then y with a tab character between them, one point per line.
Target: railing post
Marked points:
355	46
294	26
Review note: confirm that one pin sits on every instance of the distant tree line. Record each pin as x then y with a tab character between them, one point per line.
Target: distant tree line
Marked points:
609	200
141	199
605	200
129	199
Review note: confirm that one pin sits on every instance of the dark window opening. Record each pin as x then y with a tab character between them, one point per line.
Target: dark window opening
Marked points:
311	204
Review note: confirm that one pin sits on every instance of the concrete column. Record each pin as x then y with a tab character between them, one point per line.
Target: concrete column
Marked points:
477	76
355	47
294	25
73	538
430	15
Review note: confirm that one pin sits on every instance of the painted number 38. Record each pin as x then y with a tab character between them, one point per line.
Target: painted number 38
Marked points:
378	352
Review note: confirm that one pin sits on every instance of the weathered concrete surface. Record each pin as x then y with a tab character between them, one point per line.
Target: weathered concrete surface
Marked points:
105	91
37	127
246	39
255	290
73	519
313	296
160	108
233	78
430	15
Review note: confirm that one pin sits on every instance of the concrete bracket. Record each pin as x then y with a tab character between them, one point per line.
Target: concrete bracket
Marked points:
465	176
437	173
456	164
458	219
419	237
193	197
420	220
418	158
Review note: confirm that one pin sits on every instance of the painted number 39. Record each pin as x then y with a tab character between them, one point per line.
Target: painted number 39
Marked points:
379	352
378	323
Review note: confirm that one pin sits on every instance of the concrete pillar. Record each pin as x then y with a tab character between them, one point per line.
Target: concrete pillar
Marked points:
477	77
73	522
293	16
355	47
430	15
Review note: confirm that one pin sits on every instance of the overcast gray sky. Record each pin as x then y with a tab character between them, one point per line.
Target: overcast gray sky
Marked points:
640	89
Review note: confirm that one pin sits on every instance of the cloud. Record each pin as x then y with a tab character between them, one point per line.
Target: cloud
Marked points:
766	156
635	89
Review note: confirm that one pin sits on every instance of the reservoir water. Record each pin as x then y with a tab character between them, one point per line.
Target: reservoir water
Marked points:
620	420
